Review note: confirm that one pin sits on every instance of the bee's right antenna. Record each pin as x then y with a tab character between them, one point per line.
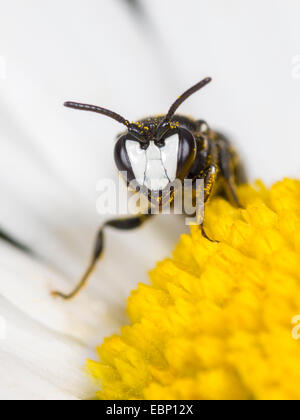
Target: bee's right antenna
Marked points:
98	110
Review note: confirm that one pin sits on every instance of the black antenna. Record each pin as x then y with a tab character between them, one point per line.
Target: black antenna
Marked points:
184	96
98	110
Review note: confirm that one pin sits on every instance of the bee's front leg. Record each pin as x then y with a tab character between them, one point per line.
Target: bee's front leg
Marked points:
209	178
121	224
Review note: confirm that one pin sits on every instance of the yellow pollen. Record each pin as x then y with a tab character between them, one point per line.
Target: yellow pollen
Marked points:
215	322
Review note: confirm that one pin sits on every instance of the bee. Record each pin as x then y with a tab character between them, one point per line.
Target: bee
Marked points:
157	150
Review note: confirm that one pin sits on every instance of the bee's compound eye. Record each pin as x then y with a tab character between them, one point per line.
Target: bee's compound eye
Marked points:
186	153
126	158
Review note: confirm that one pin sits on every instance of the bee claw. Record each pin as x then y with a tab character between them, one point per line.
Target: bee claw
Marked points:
207	237
56	294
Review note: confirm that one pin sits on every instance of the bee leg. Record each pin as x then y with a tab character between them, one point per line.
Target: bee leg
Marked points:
230	189
121	224
209	181
204	234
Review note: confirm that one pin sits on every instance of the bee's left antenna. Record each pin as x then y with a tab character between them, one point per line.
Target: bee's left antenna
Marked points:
98	110
184	96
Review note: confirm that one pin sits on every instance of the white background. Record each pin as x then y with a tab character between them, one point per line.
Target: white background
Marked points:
95	51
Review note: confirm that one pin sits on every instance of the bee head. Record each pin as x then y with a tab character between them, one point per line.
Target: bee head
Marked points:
153	152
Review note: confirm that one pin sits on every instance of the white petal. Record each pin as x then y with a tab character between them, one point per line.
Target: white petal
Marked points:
27	284
37	362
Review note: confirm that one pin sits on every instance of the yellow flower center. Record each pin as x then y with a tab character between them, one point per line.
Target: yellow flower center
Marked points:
216	321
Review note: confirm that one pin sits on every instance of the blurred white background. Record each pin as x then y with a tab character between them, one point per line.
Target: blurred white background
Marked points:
99	51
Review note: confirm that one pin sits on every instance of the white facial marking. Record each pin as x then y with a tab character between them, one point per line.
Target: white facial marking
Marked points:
155	176
155	167
169	155
153	152
138	160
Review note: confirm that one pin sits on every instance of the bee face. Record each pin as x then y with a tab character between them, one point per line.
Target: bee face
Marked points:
156	151
154	167
155	163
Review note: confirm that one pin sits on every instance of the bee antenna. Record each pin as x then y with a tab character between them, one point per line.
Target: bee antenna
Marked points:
98	110
185	96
